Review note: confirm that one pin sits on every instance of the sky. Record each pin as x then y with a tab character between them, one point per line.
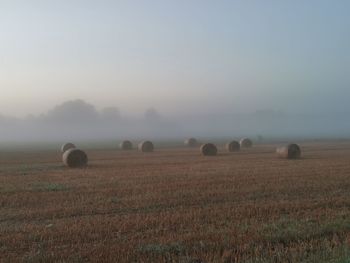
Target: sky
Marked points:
180	57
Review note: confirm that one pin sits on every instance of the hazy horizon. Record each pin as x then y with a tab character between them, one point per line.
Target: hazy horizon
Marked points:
78	120
184	58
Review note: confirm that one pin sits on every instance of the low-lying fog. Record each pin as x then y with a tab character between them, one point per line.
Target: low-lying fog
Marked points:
78	120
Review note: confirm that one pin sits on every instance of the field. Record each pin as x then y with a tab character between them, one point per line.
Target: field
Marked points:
175	205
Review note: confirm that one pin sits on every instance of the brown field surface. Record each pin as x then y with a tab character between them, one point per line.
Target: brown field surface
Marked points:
175	205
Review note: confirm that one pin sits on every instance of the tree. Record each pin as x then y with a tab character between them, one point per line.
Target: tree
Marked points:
75	111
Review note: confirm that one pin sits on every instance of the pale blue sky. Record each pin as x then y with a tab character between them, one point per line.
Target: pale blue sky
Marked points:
177	56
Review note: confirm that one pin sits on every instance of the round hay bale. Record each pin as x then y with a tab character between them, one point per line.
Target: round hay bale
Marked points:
75	158
126	145
67	146
146	146
209	149
246	143
291	151
191	142
233	146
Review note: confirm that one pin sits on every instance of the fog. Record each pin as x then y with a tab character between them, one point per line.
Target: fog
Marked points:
101	70
78	120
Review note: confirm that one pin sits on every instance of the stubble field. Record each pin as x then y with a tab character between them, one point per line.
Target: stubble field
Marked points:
175	205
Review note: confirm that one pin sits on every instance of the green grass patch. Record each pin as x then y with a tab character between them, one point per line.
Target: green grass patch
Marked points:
26	169
286	231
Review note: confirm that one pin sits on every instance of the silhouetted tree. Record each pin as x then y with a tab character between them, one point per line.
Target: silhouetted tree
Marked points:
76	111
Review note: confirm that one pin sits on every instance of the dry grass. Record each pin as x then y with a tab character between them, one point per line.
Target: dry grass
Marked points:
177	206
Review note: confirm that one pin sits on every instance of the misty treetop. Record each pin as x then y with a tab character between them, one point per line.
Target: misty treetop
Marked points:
78	119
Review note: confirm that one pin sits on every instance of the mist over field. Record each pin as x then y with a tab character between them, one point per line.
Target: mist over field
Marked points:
79	120
100	70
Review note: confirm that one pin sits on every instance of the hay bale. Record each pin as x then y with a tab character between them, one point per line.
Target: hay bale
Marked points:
291	151
126	145
75	158
233	146
191	142
246	143
209	149
67	146
146	146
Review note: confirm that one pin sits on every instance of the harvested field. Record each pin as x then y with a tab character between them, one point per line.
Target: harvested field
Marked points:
177	206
